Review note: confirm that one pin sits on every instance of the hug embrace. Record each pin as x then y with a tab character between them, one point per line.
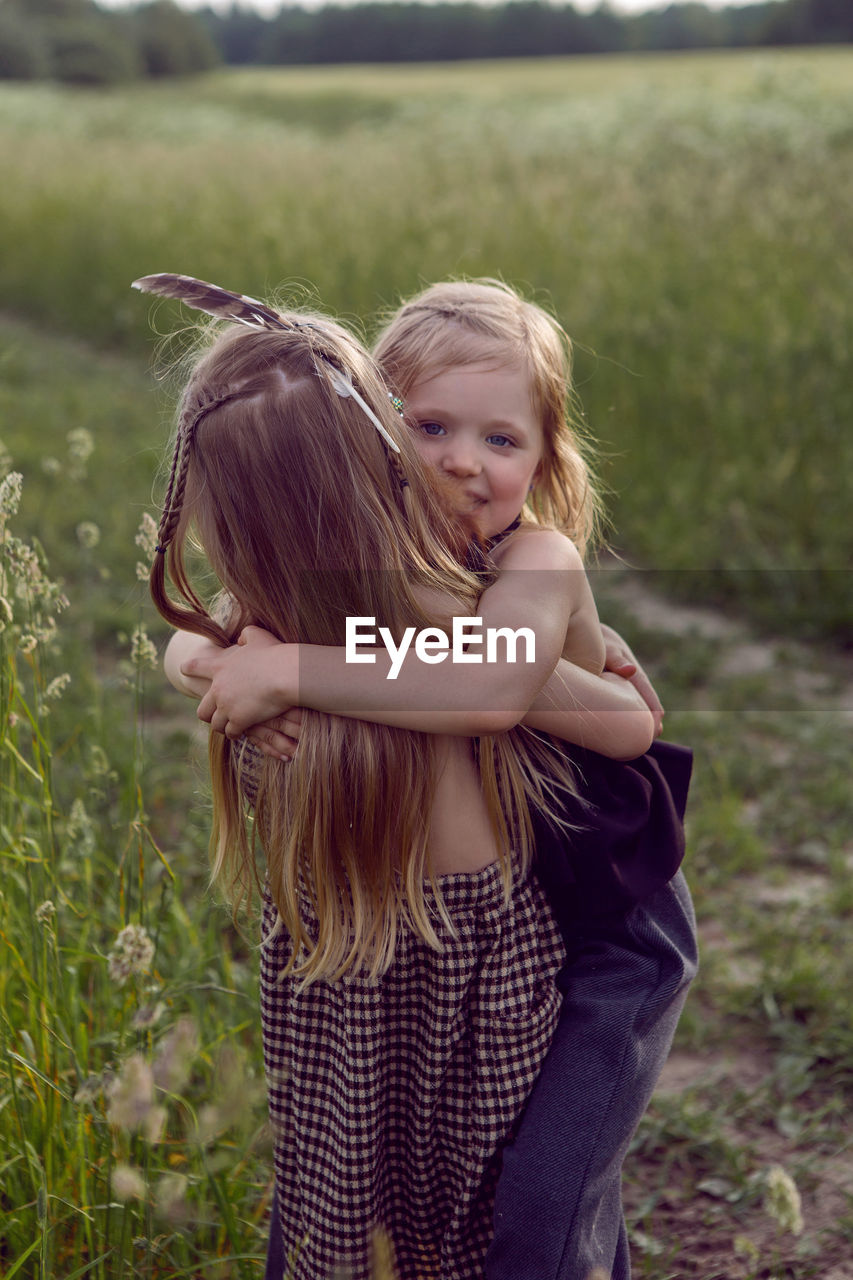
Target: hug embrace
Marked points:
476	939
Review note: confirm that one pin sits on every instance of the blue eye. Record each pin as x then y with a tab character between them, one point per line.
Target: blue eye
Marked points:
500	440
431	428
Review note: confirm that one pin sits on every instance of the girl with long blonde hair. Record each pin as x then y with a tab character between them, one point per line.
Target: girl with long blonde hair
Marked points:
409	960
485	377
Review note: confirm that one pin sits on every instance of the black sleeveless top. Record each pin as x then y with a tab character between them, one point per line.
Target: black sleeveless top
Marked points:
630	836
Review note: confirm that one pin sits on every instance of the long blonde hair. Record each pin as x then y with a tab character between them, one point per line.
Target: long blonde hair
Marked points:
307	517
463	322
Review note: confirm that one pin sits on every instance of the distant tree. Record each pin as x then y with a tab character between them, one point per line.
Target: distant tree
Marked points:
811	22
54	8
416	31
747	24
23	48
678	26
240	34
171	41
91	51
606	29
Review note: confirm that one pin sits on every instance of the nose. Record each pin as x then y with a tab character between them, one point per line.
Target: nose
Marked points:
460	458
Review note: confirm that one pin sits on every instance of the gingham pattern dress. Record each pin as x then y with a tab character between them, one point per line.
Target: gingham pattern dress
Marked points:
391	1100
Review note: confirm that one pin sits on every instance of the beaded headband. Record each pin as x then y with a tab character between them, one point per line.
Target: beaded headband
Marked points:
224	305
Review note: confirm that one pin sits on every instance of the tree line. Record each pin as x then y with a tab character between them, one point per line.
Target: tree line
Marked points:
412	32
76	41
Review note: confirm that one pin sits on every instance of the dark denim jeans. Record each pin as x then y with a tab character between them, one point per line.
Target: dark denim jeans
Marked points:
558	1208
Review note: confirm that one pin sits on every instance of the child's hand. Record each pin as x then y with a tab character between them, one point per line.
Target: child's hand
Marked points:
621	661
250	683
279	737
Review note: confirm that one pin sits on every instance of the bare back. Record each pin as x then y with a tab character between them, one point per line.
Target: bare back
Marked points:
461	837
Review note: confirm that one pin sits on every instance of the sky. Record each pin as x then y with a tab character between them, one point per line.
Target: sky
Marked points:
272	6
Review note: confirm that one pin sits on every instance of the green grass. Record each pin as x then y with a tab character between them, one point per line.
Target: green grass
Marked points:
685	216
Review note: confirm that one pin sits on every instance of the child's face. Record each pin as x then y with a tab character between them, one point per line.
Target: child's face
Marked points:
476	424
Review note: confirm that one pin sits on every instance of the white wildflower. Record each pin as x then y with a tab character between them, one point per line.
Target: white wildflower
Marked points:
127	1183
45	912
88	534
51	466
782	1200
80	444
10	493
143	651
175	1055
132	953
131	1100
170	1197
57	686
131	1094
148	1015
6	614
79	831
142	571
27	643
89	1090
5	459
146	535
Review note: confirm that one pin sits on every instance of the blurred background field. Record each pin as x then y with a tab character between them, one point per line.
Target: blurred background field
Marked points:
688	218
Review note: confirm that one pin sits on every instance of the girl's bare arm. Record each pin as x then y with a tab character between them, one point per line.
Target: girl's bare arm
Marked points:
265	679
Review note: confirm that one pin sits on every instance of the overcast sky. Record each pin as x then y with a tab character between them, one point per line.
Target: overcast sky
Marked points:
272	6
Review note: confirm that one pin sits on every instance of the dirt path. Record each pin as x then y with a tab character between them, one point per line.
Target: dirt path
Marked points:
698	1214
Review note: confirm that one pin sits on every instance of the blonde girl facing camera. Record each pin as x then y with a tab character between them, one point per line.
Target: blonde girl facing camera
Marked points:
485	380
406	1013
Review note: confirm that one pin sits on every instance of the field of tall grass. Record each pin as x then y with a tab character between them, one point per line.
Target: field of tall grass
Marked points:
688	220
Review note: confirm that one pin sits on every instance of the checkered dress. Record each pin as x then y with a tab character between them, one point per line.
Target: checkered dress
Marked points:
391	1100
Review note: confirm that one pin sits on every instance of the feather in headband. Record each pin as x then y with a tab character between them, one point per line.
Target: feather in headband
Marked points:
225	305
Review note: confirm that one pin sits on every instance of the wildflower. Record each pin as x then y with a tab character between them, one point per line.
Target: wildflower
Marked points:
132	953
80	444
131	1096
782	1200
5	459
51	466
79	831
143	651
89	1090
88	534
175	1056
146	535
10	493
170	1197
127	1183
46	912
57	686
6	614
746	1248
27	643
148	1015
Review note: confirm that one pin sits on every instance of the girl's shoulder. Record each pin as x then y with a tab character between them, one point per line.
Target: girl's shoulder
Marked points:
532	547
